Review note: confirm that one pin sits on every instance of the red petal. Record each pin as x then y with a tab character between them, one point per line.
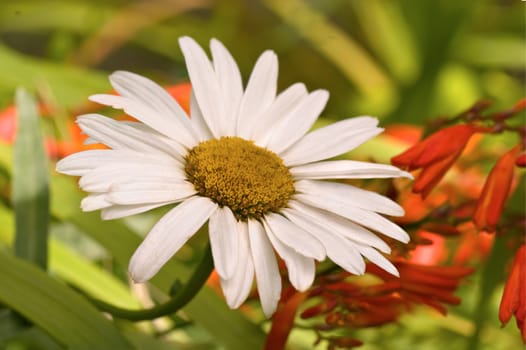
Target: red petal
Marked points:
495	192
514	288
431	175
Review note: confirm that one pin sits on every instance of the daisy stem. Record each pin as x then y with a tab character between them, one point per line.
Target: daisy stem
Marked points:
177	302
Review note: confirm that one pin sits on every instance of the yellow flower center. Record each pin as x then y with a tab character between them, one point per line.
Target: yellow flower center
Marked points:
236	173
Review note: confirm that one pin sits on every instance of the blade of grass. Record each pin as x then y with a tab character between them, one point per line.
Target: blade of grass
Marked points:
30	184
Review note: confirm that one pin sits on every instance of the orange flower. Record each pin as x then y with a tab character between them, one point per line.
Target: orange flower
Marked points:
514	297
495	192
435	155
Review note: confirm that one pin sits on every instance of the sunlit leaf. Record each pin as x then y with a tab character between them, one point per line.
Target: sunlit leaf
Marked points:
63	313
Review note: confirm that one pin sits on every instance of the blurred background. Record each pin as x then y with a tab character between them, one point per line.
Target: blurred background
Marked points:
404	61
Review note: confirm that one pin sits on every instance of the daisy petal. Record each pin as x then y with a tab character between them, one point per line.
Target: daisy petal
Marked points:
230	82
297	123
198	121
150	192
378	259
360	216
224	240
168	145
349	195
295	237
331	140
259	94
344	227
285	103
340	250
301	270
121	211
151	104
237	288
100	179
80	163
122	135
168	235
266	268
346	169
205	86
95	202
146	91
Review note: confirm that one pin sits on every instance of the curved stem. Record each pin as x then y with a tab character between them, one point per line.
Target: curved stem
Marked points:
178	301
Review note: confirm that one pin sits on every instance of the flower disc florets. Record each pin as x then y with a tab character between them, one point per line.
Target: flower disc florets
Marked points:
234	172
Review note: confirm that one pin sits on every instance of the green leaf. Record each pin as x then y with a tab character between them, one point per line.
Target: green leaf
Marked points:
30	184
57	309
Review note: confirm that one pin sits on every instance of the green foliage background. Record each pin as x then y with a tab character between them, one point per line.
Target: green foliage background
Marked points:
401	60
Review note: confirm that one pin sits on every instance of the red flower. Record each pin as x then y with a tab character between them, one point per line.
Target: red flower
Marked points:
435	155
514	297
495	192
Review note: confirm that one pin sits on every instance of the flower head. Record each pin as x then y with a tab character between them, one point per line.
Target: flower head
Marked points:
245	163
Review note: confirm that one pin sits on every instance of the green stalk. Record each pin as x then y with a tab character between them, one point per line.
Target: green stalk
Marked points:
178	301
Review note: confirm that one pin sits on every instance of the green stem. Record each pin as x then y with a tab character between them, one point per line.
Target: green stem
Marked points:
179	300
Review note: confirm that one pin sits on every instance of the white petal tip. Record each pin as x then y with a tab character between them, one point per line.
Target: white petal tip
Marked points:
186	40
405	238
268	313
406	175
398	212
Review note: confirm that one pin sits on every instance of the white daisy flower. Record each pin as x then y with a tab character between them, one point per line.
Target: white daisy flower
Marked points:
245	163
